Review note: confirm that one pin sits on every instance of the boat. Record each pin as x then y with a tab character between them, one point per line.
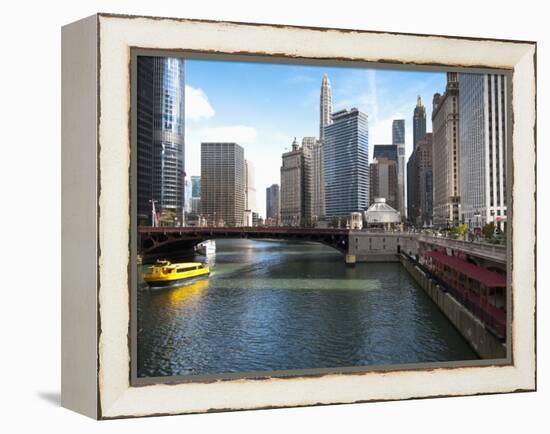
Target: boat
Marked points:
206	248
164	273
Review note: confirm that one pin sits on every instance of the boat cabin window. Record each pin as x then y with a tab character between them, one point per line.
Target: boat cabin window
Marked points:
193	267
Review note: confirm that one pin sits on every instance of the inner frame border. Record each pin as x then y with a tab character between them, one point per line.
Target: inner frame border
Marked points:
252	57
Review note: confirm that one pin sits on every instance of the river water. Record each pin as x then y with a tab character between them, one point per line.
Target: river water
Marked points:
272	305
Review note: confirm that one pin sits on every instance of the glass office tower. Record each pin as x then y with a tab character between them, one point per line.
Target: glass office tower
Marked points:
160	138
346	163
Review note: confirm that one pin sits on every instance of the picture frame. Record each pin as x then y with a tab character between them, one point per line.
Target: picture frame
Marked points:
97	238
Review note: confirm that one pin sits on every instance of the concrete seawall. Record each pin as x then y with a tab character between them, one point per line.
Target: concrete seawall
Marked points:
486	345
380	247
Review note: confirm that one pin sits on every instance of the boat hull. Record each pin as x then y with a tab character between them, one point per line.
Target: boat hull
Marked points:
160	284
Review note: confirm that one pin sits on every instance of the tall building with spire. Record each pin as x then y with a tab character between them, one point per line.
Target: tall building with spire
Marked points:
398	140
419	122
325	107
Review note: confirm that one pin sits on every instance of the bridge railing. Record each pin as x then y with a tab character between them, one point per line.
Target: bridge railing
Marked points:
492	251
239	229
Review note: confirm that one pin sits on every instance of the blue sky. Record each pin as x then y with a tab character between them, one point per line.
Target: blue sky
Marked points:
263	106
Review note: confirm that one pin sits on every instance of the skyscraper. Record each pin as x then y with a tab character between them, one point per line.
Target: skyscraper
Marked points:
295	191
325	107
483	148
420	183
398	140
346	163
272	203
160	137
419	122
446	151
250	183
383	181
385	151
196	186
188	194
222	184
398	131
315	184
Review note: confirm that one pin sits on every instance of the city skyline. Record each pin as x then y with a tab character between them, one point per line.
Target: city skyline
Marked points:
167	103
290	95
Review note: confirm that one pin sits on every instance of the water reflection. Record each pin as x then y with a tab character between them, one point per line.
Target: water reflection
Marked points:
187	295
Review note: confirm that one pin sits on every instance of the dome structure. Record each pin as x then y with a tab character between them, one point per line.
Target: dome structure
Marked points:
381	213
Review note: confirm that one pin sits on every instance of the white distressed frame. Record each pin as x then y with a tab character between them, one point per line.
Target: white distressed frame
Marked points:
117	34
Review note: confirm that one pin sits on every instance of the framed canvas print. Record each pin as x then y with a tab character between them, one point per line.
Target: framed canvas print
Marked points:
262	216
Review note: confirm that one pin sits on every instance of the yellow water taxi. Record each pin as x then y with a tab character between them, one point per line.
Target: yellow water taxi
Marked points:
164	273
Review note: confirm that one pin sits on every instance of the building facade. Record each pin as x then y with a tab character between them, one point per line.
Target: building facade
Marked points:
419	122
313	153
187	196
346	163
160	138
446	152
483	148
272	204
195	186
295	193
411	212
195	206
250	189
398	140
420	183
385	151
325	106
398	131
383	181
222	184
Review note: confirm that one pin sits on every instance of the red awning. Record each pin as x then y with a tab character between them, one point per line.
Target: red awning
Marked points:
486	277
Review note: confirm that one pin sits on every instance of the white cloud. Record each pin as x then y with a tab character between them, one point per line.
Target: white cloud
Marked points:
240	134
197	106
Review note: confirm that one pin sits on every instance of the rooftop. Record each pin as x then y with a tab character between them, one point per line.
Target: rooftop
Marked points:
381	212
486	277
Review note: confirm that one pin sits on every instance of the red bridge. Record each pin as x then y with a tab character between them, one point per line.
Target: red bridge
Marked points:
153	240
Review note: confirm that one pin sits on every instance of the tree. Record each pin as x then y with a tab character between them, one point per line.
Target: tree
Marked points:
167	218
460	230
488	230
